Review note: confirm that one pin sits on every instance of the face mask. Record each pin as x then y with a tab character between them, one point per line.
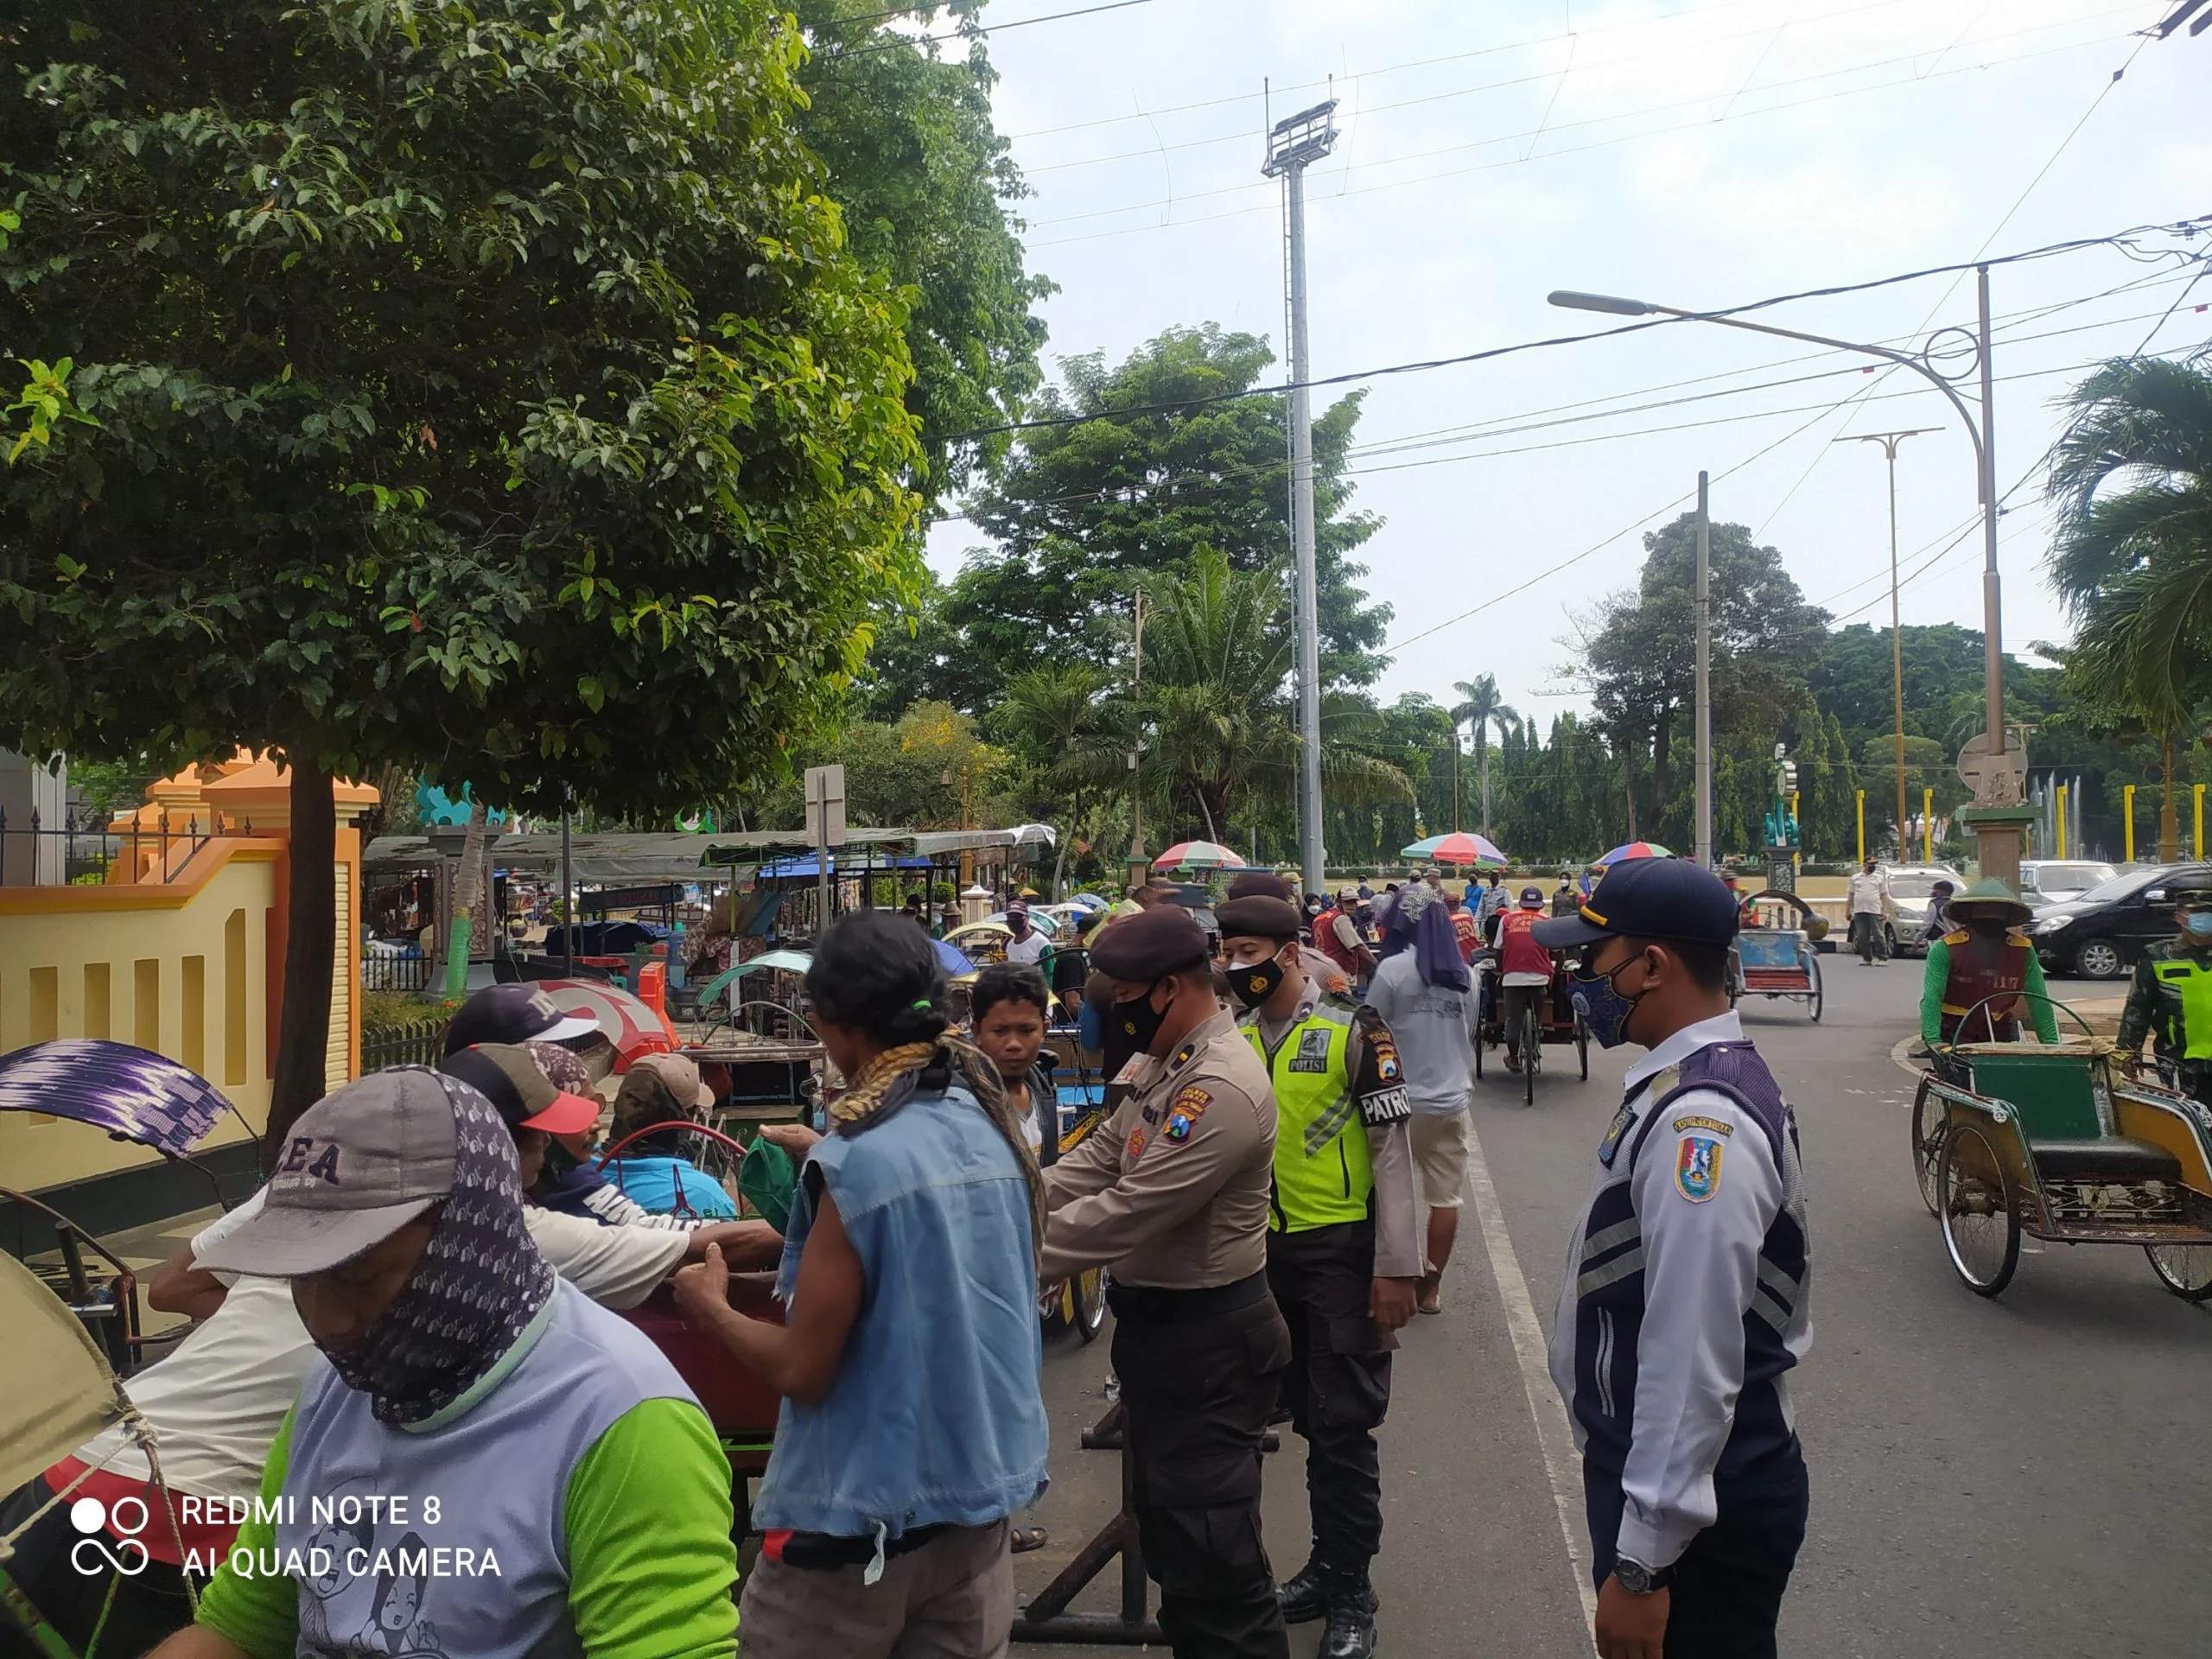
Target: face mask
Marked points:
1255	982
1603	1008
2199	923
1139	1020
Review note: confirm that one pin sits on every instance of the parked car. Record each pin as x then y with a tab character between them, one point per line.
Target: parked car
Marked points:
1910	887
2100	934
2057	880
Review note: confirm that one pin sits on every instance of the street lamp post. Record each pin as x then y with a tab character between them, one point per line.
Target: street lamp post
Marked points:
1889	441
1999	814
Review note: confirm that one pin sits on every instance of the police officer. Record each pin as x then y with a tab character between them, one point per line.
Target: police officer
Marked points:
2170	1000
1343	1251
1173	1192
1684	1306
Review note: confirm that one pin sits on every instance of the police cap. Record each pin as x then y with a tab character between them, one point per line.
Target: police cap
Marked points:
1260	884
1666	899
1257	915
1163	940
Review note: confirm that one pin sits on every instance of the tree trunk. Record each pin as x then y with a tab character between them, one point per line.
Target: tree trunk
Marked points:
2169	824
1206	811
1482	760
1663	732
310	941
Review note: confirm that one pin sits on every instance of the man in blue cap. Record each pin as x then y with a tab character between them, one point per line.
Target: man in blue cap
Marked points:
1684	1307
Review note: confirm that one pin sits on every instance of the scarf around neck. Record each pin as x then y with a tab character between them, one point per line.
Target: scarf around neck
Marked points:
478	1283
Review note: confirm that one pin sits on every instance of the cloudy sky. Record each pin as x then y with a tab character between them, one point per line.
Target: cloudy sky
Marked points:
1703	155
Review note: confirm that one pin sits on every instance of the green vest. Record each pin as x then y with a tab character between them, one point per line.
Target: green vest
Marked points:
2193	985
1322	1174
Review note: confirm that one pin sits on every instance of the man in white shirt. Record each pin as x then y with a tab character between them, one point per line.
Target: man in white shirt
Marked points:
1869	905
1028	947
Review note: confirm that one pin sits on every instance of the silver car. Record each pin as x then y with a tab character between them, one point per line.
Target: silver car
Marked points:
2057	880
1912	886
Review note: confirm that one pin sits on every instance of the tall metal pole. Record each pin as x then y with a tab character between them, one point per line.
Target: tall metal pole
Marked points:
1136	754
1704	679
1890	441
1294	142
1991	607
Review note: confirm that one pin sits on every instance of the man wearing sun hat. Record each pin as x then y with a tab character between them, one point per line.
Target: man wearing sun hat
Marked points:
1684	1305
1982	973
529	1474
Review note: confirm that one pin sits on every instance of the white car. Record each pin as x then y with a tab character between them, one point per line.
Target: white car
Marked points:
1910	887
2058	879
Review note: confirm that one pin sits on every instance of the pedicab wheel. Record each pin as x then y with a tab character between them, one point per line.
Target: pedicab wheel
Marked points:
1812	973
1927	1121
1532	1049
1088	1296
1982	1223
1582	1046
1478	1054
2185	1269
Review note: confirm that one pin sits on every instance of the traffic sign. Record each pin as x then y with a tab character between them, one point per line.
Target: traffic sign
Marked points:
825	805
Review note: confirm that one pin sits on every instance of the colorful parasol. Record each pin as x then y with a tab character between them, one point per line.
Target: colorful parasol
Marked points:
633	1028
1198	856
1631	850
132	1093
1460	847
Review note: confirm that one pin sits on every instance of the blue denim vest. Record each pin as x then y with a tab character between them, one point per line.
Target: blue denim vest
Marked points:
935	1416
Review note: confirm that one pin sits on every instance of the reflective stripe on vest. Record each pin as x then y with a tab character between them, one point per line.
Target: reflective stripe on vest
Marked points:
1322	1172
2193	985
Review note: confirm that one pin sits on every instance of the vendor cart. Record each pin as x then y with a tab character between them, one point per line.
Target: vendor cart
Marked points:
1775	958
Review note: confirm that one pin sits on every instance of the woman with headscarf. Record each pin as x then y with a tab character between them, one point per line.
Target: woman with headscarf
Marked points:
1421	989
912	1427
471	1403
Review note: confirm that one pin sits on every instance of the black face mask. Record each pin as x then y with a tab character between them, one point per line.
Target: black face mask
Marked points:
1254	983
1139	1020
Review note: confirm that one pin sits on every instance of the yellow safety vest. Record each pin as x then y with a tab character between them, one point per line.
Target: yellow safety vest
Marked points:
1322	1173
2193	984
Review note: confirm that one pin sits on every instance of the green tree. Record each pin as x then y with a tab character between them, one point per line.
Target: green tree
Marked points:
2132	477
480	388
1483	709
1059	723
926	186
1154	460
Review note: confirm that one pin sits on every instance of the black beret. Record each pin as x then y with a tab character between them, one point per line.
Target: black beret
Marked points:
1165	939
1260	884
1257	916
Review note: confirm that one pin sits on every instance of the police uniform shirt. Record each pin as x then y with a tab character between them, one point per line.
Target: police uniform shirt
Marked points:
1372	1058
1705	1191
1172	1191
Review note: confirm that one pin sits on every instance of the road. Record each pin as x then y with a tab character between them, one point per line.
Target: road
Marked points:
2024	1477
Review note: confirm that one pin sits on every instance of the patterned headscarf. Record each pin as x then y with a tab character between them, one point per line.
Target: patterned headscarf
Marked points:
1414	918
478	1282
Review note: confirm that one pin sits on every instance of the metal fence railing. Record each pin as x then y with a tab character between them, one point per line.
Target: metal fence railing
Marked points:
411	1042
413	973
82	846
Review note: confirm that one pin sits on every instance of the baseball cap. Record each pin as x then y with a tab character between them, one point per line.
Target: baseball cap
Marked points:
519	1089
680	1074
514	1014
1669	898
1017	908
1532	898
359	1165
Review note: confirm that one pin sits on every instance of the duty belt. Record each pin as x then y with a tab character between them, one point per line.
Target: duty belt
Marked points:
1148	1304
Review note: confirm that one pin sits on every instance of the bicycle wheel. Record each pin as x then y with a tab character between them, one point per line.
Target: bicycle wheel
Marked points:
1812	971
1532	1048
1089	1291
1928	1116
2185	1269
1982	1223
1582	1046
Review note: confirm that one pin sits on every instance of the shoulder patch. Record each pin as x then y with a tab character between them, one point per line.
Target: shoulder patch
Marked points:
1183	1116
1683	1124
1194	1099
1135	1148
1697	1167
1611	1146
1380	1042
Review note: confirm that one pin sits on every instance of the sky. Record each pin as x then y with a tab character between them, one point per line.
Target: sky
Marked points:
1702	154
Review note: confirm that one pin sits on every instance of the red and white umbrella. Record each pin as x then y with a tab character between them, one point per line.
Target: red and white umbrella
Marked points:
625	1021
1198	856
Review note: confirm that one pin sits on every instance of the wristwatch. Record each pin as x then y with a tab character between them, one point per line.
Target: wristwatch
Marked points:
1640	1580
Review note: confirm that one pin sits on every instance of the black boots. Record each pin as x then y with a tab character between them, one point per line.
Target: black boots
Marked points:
1346	1600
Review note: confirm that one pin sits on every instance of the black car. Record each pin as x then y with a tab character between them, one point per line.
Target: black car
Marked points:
2100	934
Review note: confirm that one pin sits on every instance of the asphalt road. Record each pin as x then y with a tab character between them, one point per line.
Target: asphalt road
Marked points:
2025	1477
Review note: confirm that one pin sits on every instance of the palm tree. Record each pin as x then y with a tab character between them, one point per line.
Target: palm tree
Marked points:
1054	716
1485	709
2132	477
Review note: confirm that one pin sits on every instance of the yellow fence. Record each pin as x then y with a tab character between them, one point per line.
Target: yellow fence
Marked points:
191	968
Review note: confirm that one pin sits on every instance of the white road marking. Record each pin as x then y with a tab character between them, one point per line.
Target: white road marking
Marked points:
1555	1439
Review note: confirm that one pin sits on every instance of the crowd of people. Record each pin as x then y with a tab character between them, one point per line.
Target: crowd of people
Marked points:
410	1360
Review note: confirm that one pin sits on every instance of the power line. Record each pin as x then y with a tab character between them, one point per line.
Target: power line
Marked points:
974	31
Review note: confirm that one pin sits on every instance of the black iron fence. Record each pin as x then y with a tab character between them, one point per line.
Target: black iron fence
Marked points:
82	847
386	973
408	1042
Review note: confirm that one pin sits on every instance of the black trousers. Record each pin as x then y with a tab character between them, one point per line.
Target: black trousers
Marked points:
149	1605
1726	1594
1337	1387
1196	1394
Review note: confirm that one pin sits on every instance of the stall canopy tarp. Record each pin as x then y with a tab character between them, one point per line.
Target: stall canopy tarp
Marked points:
621	858
60	1393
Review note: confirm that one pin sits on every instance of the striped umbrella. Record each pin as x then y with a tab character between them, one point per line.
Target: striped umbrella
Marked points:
1198	856
1460	847
1631	850
633	1028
